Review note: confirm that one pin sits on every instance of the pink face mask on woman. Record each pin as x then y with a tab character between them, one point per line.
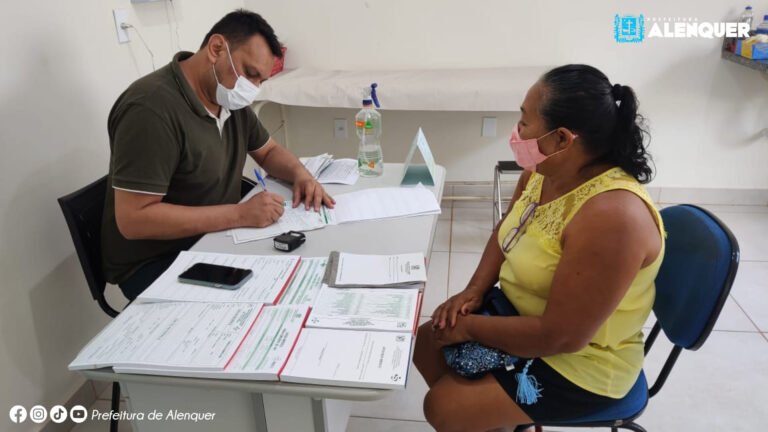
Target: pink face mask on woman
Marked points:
527	153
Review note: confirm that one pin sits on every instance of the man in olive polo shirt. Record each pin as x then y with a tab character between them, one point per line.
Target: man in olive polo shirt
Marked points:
179	138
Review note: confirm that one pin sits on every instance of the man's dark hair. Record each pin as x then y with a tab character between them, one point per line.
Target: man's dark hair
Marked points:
240	25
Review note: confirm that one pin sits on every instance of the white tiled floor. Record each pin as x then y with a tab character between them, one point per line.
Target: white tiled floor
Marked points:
751	230
437	282
470	229
723	386
442	242
462	267
750	291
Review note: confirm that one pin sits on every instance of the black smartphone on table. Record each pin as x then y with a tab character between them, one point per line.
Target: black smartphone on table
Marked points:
216	276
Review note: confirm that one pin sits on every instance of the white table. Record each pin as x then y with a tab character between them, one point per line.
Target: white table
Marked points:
273	406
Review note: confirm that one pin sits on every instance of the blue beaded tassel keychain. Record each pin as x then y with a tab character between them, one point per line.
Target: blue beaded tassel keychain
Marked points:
528	389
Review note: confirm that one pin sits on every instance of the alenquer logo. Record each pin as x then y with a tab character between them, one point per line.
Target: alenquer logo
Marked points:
631	28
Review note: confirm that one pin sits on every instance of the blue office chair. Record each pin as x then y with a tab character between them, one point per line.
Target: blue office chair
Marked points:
694	281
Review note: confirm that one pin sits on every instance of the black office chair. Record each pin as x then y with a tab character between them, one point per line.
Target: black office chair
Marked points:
246	185
83	211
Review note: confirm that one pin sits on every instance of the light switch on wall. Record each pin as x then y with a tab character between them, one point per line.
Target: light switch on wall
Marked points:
489	127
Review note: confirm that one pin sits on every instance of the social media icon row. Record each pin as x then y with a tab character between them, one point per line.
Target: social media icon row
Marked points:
38	414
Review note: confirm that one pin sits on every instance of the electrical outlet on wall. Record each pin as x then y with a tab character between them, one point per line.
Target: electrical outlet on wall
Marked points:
489	127
340	128
121	17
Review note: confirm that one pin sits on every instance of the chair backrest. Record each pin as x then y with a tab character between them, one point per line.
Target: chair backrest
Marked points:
699	267
508	166
246	185
83	211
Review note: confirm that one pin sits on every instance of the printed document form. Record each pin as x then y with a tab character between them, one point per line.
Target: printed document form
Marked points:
349	358
261	355
383	309
174	336
354	270
384	203
293	219
271	275
306	283
367	204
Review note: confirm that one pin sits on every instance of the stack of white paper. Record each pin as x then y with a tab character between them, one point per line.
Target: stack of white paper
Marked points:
261	355
380	309
368	204
349	358
316	164
400	270
327	170
385	203
271	275
172	336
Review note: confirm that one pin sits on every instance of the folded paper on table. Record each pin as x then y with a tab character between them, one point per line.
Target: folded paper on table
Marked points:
327	170
419	173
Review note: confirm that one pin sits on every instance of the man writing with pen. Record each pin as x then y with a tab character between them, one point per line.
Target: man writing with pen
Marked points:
179	139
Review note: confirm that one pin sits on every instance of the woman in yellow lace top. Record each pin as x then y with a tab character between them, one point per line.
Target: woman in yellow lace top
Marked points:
576	255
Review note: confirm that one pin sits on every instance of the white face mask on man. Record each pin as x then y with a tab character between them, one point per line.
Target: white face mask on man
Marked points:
241	95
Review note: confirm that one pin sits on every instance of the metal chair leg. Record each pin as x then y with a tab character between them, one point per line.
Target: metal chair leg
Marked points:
115	405
633	427
496	196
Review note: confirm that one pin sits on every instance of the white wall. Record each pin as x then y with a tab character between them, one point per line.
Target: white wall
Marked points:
706	114
62	70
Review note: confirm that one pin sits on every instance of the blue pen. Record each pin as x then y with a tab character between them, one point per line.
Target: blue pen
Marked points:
261	180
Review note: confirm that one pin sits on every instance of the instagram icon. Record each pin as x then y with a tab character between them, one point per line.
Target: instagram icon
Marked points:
38	414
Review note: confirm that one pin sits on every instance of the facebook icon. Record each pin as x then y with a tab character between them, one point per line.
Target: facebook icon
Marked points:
18	414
